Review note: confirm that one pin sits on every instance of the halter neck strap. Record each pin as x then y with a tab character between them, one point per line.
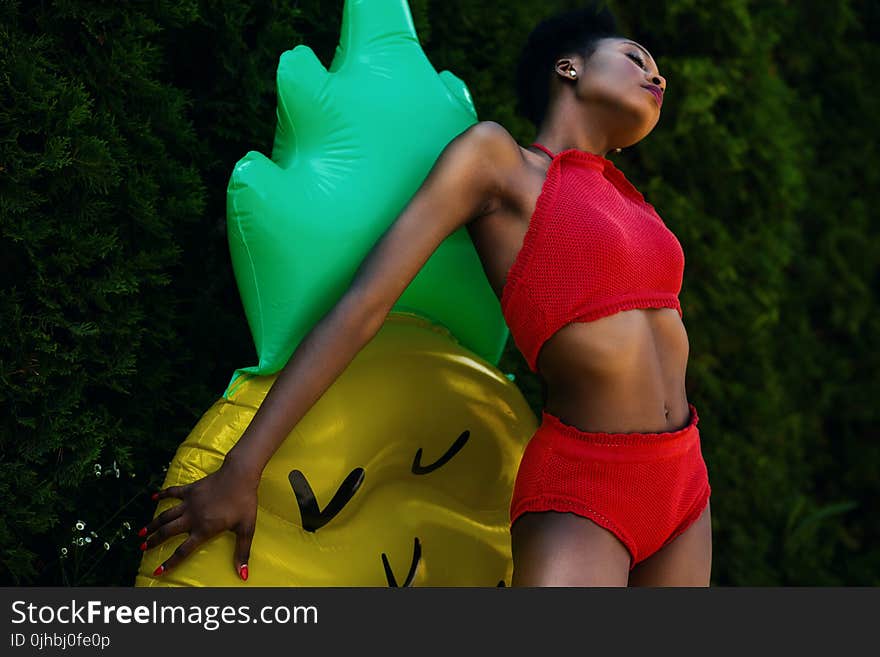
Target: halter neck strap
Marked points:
544	148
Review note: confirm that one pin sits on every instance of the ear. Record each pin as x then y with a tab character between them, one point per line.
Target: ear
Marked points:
564	67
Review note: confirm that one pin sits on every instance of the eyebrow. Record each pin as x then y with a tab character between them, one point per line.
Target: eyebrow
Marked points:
642	49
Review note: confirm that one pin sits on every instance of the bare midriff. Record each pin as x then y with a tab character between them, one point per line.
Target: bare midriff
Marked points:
621	373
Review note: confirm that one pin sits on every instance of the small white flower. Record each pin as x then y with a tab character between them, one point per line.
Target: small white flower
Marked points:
88	539
80	525
106	545
125	525
93	534
63	551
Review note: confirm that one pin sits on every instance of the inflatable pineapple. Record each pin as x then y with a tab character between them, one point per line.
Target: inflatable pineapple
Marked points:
401	474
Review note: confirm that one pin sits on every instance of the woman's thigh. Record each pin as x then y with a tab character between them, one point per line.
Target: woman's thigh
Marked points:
563	549
686	561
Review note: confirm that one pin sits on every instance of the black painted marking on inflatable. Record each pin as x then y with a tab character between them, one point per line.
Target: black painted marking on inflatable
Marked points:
312	516
389	574
419	469
501	583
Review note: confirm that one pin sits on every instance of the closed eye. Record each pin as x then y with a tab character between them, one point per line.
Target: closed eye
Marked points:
637	58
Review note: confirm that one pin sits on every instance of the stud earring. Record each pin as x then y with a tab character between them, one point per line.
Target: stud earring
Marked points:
572	73
616	150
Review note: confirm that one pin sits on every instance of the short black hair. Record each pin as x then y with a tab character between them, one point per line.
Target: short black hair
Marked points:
575	31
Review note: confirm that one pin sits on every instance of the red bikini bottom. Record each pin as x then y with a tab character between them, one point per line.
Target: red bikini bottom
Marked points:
645	488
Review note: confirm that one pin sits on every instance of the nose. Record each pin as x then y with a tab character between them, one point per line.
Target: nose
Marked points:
660	81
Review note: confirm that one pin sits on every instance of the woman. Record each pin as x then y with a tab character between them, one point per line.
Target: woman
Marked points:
612	488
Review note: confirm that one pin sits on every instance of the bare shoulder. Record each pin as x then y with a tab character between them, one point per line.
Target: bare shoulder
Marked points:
496	145
461	186
491	133
491	157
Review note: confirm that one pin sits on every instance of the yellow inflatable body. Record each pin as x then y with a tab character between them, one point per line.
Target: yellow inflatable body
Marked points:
400	475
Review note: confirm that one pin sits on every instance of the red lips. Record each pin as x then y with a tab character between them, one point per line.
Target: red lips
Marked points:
656	91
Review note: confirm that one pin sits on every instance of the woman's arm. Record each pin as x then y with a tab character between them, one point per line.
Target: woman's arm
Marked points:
461	186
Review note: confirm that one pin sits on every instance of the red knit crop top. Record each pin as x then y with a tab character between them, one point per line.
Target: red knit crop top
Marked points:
594	247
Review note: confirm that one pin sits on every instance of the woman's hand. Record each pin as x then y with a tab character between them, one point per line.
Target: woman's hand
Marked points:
225	499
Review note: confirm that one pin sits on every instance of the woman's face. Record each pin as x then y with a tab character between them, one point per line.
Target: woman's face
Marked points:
619	76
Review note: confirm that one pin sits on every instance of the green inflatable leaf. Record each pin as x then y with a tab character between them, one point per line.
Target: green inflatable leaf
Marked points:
352	145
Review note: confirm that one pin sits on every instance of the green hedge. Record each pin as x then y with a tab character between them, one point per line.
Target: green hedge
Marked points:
119	127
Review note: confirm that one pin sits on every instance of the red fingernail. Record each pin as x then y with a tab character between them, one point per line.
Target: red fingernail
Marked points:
142	532
144	545
243	571
154	496
159	570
